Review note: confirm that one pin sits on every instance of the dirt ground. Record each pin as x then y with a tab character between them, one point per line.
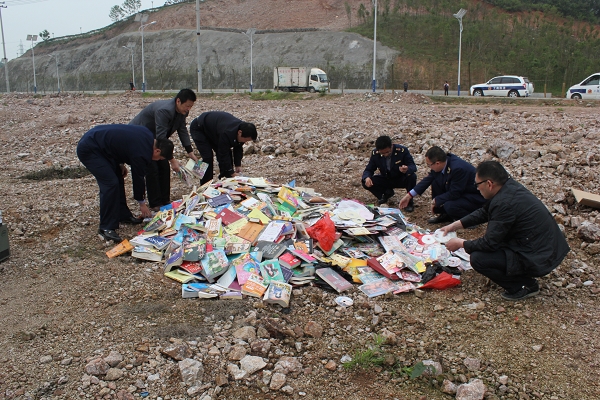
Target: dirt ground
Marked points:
63	302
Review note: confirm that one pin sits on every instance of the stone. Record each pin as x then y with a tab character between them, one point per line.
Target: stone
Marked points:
537	347
503	380
331	365
260	348
287	389
251	364
245	333
97	367
45	359
178	352
502	148
472	364
288	365
588	231
277	381
435	368
113	374
113	359
448	387
235	372
474	390
237	353
313	329
221	380
124	395
192	371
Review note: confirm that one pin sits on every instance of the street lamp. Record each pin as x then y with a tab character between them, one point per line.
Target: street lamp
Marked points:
33	38
143	18
199	69
374	83
459	16
4	60
57	77
250	34
130	48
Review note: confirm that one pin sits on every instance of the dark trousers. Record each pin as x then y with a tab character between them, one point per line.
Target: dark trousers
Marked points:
494	266
383	185
207	151
458	208
113	203
158	183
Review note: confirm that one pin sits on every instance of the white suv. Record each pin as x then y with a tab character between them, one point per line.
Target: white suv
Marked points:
589	88
507	85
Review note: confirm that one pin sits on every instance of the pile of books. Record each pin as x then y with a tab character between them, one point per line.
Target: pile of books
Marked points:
246	236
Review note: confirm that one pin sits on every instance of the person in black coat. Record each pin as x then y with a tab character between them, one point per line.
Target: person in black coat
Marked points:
396	167
522	241
223	134
104	150
451	180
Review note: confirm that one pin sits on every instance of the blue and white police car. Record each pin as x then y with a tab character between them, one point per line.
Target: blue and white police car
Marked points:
506	85
589	88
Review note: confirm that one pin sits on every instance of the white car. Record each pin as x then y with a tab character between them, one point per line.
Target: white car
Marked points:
507	85
589	88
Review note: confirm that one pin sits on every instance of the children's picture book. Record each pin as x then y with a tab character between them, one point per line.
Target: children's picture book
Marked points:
245	266
194	251
254	286
146	253
278	293
333	279
378	287
214	264
121	248
214	229
271	271
237	248
305	245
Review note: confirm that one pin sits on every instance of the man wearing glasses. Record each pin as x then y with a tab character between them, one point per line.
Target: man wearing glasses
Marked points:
522	241
396	167
452	190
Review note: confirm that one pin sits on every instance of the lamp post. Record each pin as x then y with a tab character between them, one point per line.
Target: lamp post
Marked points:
374	83
130	48
199	69
33	38
4	60
57	77
250	34
459	16
143	18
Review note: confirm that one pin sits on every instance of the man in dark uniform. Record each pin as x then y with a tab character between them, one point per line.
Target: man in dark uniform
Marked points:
221	133
451	180
522	241
163	118
396	167
104	150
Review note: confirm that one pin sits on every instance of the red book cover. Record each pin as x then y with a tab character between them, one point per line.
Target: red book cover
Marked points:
228	216
191	267
373	263
289	260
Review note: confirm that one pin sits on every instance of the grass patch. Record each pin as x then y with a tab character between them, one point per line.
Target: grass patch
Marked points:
50	174
373	356
269	95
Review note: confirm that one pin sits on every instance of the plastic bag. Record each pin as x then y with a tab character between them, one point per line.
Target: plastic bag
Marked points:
323	231
441	282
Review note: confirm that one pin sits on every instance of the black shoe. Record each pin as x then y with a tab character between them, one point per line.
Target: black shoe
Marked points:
523	293
132	220
410	207
440	219
385	197
110	234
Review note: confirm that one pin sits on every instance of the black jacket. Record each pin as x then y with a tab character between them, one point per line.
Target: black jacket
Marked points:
400	156
519	221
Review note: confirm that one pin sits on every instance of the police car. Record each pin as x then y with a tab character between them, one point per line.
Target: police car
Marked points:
589	88
507	85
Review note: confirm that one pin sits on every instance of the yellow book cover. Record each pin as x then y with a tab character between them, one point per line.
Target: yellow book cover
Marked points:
179	276
340	260
121	248
259	215
235	227
287	195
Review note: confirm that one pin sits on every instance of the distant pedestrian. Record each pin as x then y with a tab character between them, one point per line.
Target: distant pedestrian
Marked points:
131	85
446	87
406	86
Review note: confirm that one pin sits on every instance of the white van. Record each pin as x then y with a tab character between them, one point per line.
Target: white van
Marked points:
589	88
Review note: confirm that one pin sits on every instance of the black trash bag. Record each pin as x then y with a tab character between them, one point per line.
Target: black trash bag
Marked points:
432	270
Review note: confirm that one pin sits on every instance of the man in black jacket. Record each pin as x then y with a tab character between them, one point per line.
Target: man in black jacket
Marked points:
104	150
522	241
396	167
163	118
221	133
452	190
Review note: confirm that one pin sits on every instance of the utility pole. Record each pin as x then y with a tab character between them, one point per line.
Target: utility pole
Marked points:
4	60
199	69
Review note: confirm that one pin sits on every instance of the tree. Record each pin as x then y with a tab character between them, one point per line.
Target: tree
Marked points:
131	6
116	13
45	35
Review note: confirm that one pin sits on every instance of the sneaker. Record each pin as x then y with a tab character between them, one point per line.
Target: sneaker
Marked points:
521	294
440	219
109	234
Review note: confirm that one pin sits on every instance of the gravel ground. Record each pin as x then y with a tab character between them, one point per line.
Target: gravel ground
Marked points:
78	325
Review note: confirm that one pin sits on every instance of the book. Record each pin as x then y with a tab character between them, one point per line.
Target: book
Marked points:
196	290
278	293
378	287
336	245
305	245
235	227
303	256
158	242
288	260
250	231
272	232
333	279
257	215
409	276
237	248
228	216
214	264
231	295
244	267
194	251
220	200
287	273
377	267
305	270
271	271
270	250
254	286
121	248
227	278
191	267
196	168
214	229
174	259
391	262
146	253
179	276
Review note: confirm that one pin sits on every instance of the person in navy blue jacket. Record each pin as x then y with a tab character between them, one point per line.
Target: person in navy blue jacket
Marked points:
452	189
104	150
396	167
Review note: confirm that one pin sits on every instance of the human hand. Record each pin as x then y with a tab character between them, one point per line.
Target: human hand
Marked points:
368	182
146	213
238	169
403	168
433	206
123	170
451	227
455	244
404	202
175	165
192	156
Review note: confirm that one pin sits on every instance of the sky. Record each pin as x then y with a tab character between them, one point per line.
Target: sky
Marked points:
60	17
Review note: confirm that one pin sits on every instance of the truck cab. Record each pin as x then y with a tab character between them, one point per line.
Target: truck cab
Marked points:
318	80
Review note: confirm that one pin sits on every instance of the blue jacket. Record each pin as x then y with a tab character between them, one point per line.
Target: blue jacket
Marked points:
400	156
456	181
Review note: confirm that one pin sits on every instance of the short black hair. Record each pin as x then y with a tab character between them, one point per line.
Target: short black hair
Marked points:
493	171
185	95
166	148
383	142
436	154
248	130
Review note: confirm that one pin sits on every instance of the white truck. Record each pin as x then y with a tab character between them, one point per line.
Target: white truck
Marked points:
299	79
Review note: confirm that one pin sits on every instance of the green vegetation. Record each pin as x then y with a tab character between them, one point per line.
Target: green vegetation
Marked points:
49	174
269	95
494	42
373	356
587	10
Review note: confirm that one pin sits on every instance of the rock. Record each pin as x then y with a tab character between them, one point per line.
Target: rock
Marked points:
113	374
472	364
331	365
287	389
274	328
251	364
501	148
537	347
435	368
588	231
97	367
288	365
124	395
474	390
237	353
448	387
45	359
235	372
192	372
260	348
593	249
277	381
178	351
245	333
65	119
313	329
113	359
503	380
221	380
